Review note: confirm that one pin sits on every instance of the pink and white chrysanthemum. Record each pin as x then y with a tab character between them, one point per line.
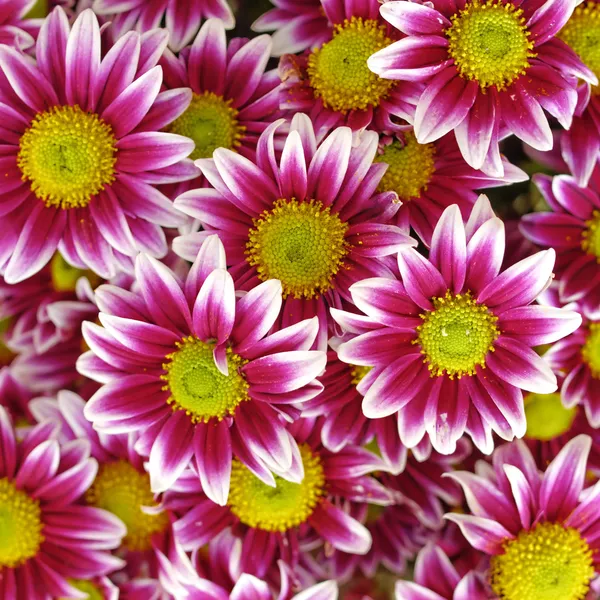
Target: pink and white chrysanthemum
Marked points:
192	365
489	67
311	218
15	30
430	177
573	229
181	18
437	578
296	24
234	97
82	150
515	508
332	83
47	538
450	341
279	519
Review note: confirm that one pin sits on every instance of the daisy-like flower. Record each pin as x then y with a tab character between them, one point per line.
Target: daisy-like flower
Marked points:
181	18
46	536
311	219
436	578
332	83
14	29
122	487
193	367
516	508
573	229
489	67
450	341
430	177
580	144
298	25
278	519
234	97
83	149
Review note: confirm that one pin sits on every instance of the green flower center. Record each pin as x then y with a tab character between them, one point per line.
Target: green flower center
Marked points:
92	590
490	43
278	508
122	490
590	352
582	33
338	70
456	336
547	418
590	238
68	156
20	525
65	277
6	354
411	166
300	243
198	387
550	562
211	122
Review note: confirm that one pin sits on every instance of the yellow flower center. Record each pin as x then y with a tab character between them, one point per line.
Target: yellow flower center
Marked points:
456	336
590	238
300	243
20	525
582	33
68	156
211	122
278	508
590	352
92	590
198	387
122	490
411	166
490	43
65	277
358	372
547	418
338	70
550	562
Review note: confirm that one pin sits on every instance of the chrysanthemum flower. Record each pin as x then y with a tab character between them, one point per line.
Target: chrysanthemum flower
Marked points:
573	229
234	97
332	83
181	18
193	366
46	536
516	509
311	219
487	66
451	340
430	177
436	578
580	144
83	149
278	519
14	29
122	487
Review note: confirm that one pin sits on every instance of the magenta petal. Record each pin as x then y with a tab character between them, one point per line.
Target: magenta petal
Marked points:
340	529
249	587
522	494
415	19
449	248
150	150
214	309
484	534
171	451
212	451
8	445
39	466
421	279
485	253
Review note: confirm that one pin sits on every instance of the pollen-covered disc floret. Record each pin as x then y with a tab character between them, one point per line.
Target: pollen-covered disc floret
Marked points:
582	33
211	122
338	70
490	43
300	243
590	351
456	336
122	490
358	372
91	589
278	508
20	525
550	562
411	166
590	238
68	155
198	387
547	418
